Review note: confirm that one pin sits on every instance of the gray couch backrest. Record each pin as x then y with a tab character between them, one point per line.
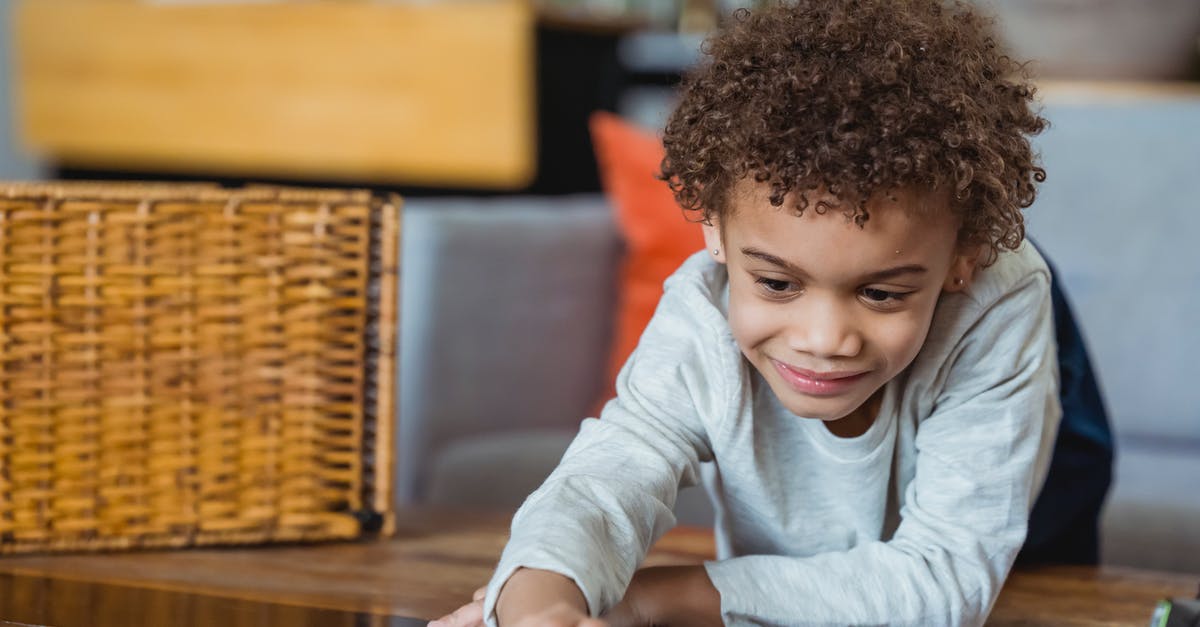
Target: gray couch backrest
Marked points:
505	309
1119	216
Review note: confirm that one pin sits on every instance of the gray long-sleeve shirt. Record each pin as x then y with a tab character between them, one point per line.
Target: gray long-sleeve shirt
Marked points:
915	522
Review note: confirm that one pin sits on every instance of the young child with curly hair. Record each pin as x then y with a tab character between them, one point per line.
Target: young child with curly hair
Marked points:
865	352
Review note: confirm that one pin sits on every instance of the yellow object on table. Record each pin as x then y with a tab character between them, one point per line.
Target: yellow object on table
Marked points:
414	93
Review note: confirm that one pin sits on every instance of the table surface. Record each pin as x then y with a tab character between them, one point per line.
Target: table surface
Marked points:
437	558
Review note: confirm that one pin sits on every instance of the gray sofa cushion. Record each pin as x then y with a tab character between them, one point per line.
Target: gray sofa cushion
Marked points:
501	470
497	470
1153	515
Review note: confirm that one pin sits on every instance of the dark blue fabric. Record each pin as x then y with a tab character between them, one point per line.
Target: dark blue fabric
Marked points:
1064	524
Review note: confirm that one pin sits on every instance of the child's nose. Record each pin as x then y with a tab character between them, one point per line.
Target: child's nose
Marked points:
825	329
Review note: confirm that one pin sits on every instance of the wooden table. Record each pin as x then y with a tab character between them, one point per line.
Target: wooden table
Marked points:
437	558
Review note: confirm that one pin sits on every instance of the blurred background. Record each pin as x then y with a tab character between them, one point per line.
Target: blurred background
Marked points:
471	96
477	112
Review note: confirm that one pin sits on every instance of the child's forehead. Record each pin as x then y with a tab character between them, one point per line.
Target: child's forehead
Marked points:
916	202
907	221
919	200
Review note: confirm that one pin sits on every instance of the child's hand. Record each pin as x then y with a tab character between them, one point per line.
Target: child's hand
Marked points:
471	615
530	598
665	595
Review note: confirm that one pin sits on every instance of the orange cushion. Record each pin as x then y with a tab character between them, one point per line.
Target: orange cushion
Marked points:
658	237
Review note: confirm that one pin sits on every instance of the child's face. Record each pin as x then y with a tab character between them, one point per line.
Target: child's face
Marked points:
829	312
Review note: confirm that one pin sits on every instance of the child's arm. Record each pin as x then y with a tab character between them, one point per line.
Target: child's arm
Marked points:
612	495
530	596
672	595
542	596
669	595
981	456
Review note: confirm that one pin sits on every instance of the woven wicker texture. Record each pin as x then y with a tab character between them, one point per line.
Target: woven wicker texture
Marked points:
187	365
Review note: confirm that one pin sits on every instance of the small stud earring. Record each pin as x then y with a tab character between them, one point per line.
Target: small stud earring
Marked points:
958	281
716	252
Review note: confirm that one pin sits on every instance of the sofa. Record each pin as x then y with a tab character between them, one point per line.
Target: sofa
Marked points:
506	306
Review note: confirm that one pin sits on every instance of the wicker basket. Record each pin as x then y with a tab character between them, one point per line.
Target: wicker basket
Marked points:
190	365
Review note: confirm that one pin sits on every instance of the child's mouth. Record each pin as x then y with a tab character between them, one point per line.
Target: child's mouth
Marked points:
819	383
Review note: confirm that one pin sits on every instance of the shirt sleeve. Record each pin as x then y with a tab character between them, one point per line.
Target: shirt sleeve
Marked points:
982	454
613	494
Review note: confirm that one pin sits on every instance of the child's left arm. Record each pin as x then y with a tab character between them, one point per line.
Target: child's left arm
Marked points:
981	455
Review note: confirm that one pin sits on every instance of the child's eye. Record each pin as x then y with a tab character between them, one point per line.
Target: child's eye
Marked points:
775	287
884	298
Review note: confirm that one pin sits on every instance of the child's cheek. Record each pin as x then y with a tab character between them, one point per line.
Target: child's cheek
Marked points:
752	323
901	335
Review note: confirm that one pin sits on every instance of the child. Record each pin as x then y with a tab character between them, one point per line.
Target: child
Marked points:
864	352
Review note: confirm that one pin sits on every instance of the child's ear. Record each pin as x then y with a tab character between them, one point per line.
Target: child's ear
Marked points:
712	239
962	270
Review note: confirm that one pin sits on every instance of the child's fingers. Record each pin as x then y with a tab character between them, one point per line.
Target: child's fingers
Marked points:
469	615
479	594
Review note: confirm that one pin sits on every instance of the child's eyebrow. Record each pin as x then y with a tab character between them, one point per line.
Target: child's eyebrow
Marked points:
873	276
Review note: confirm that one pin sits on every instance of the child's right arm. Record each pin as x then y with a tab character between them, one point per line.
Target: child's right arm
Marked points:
542	596
612	495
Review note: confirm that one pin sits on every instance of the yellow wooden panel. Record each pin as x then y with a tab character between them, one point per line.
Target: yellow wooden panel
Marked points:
418	93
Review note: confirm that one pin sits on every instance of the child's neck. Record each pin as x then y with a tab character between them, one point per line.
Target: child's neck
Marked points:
858	421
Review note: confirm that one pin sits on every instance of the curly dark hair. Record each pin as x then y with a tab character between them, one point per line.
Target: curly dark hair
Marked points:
858	98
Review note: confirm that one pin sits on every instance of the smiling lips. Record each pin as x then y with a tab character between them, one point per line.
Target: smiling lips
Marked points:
819	383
